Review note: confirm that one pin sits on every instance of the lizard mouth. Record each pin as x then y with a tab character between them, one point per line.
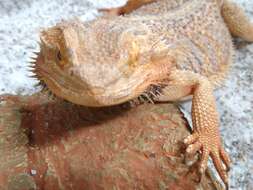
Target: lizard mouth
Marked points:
53	80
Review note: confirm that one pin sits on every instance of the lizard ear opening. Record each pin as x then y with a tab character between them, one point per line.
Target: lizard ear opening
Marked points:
162	57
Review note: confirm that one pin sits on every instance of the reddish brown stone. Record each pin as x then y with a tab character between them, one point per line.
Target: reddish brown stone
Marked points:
46	144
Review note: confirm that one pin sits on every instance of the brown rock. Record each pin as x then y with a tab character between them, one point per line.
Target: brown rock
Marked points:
51	145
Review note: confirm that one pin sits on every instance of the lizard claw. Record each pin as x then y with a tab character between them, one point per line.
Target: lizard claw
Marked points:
201	142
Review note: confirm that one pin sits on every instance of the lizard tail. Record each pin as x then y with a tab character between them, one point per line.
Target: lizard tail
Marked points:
236	20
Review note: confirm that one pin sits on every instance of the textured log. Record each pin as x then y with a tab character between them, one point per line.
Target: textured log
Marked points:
51	144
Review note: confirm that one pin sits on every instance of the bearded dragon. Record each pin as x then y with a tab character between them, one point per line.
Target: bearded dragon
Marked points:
162	50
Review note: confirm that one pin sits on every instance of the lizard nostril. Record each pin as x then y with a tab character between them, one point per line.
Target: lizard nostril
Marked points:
59	56
71	72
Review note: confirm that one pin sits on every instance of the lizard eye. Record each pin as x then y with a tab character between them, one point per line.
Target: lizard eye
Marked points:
59	56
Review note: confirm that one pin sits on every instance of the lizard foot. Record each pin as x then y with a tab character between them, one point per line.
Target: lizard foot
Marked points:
130	6
209	146
112	11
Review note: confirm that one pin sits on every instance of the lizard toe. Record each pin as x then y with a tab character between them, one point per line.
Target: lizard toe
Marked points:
193	148
191	139
203	164
204	161
225	158
215	155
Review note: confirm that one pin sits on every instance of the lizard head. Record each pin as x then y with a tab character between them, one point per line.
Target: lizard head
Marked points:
76	66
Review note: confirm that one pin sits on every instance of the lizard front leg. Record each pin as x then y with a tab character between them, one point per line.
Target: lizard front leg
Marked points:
205	137
130	6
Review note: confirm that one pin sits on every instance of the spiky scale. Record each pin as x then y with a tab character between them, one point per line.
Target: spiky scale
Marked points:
148	98
34	76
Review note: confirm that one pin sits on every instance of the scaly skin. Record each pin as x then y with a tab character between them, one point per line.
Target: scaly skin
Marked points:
161	50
